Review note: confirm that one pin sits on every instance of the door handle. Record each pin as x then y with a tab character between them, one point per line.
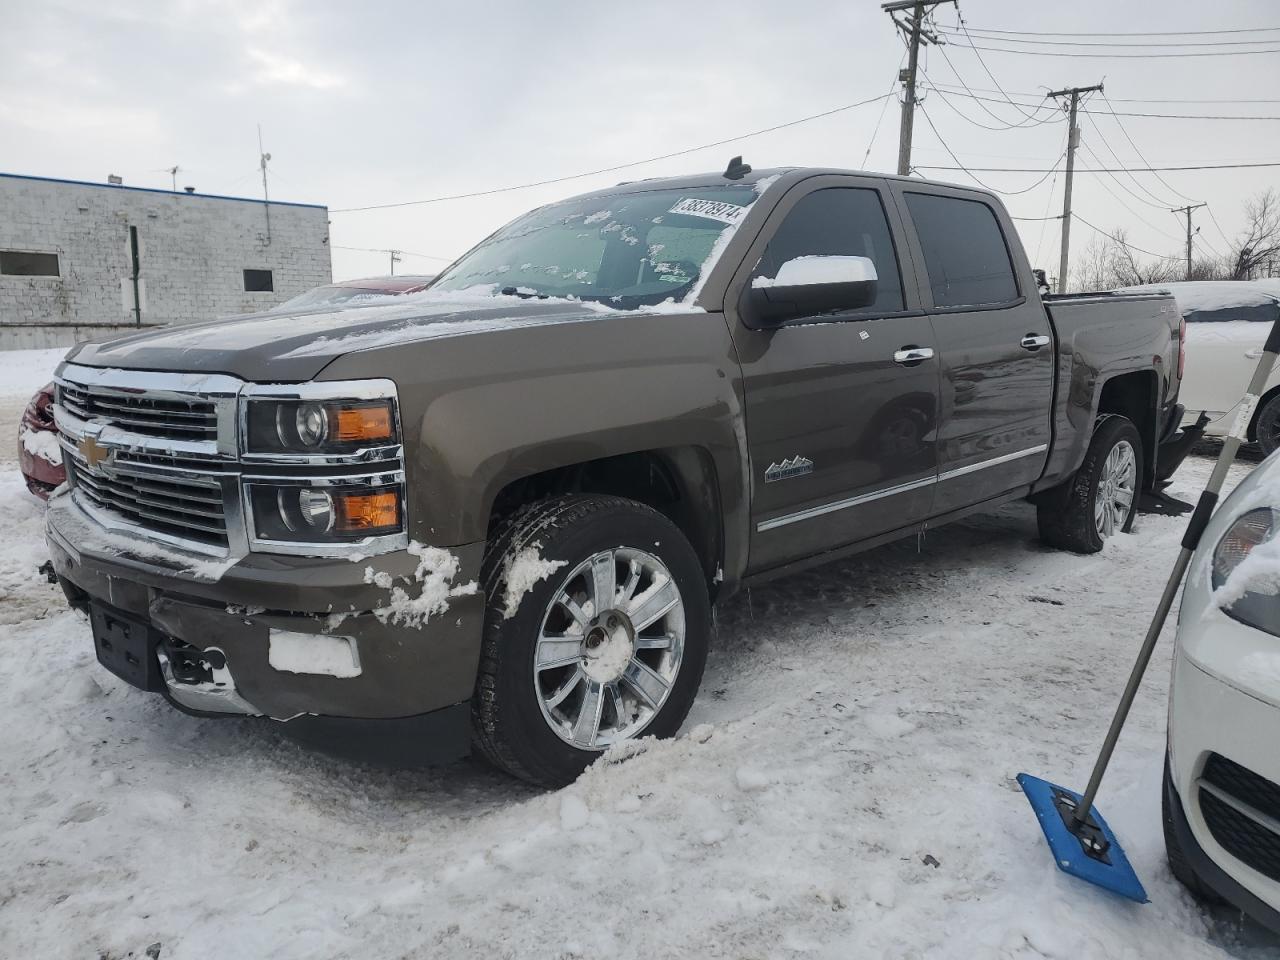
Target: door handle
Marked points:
910	356
1034	341
1252	354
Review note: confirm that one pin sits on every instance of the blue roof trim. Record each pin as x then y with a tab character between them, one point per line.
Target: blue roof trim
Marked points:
167	193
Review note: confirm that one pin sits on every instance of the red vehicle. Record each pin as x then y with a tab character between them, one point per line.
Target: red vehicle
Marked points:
39	455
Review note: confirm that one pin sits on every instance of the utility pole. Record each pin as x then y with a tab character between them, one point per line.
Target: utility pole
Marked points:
395	258
1073	140
1187	210
173	172
914	29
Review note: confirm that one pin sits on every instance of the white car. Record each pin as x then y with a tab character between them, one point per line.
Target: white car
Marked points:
1222	776
1226	324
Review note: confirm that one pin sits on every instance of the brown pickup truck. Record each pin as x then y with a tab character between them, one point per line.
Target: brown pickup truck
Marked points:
498	513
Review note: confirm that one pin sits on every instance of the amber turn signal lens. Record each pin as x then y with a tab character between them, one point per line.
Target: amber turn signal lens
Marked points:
364	423
368	511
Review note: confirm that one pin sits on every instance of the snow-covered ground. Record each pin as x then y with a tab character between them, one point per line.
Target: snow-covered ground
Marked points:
844	788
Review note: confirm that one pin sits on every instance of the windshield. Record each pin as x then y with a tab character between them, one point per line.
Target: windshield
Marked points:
330	295
630	250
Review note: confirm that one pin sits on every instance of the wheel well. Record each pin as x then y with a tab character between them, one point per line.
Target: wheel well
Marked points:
678	482
1257	411
1133	395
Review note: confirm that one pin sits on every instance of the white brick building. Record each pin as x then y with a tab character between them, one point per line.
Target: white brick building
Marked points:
69	270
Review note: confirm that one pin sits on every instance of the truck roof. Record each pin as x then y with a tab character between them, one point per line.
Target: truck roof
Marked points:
790	174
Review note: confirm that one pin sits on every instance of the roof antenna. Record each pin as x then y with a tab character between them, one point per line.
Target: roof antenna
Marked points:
736	169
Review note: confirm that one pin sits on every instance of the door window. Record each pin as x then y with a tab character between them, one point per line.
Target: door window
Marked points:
840	221
964	251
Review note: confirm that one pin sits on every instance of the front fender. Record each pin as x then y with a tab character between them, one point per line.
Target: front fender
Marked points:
483	410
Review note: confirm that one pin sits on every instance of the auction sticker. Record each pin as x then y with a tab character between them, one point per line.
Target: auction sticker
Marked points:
709	209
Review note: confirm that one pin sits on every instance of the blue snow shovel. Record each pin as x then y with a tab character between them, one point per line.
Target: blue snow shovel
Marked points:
1082	843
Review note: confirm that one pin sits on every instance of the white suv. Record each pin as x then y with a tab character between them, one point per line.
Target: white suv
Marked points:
1222	776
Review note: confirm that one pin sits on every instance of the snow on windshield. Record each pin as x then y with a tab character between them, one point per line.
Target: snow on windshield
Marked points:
630	250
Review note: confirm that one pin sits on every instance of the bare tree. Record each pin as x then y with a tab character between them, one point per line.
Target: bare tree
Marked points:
1259	243
1128	269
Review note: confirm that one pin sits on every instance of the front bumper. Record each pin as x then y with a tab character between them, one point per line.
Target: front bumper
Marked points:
405	672
1208	717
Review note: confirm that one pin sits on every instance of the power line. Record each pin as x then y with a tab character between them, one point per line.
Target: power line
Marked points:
1155	201
875	131
1020	93
407	253
616	167
987	69
1122	113
978	123
985	186
1106	56
1201	166
1141	155
1121	33
1026	121
1136	215
1119	43
1123	243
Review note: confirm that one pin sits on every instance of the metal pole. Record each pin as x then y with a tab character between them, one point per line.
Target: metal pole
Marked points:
1187	210
1199	520
1073	140
1073	135
909	100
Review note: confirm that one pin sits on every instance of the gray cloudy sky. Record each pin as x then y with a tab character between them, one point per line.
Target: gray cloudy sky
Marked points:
366	103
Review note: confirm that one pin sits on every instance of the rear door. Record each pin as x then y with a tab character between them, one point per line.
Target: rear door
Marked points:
840	434
994	344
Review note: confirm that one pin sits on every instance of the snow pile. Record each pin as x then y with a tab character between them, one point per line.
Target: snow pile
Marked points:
520	574
41	443
23	372
796	818
436	569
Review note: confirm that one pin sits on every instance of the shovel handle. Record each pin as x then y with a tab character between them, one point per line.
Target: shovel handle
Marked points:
1190	540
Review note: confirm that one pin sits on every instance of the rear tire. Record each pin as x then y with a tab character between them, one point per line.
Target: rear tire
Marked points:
1266	428
562	676
1090	506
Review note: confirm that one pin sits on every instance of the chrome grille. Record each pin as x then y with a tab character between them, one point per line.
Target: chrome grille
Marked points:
160	496
178	419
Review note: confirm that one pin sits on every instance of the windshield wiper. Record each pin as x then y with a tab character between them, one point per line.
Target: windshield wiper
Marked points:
523	294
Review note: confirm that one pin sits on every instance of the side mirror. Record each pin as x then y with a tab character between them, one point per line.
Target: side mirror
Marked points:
811	285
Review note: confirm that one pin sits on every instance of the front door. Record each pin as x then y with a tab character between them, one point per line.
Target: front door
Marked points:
840	421
995	349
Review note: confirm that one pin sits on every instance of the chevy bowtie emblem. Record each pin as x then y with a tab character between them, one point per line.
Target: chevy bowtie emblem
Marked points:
94	453
794	467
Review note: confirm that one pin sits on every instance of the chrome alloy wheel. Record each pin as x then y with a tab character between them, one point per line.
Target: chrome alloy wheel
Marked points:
609	648
1116	491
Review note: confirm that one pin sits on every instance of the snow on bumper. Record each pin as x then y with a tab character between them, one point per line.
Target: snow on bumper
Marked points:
404	671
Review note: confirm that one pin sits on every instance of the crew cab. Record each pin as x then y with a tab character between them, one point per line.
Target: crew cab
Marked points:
497	513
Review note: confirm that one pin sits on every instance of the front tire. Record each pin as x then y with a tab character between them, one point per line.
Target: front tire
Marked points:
1101	499
595	633
1179	865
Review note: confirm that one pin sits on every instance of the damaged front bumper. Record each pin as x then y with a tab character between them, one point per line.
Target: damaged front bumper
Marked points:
303	640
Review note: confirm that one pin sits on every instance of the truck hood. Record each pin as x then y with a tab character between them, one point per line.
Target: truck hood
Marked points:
283	348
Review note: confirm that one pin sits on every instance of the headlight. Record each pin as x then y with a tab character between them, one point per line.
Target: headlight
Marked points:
291	427
1250	531
334	513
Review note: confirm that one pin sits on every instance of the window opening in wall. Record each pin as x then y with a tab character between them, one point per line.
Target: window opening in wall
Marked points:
19	263
258	281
